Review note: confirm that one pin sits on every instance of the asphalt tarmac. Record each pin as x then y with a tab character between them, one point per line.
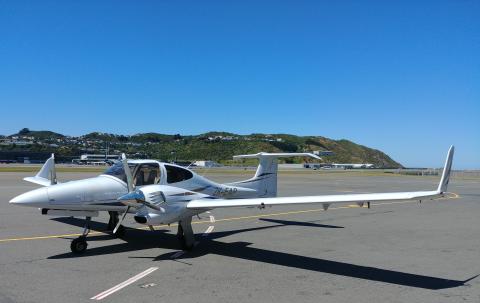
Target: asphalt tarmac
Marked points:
401	252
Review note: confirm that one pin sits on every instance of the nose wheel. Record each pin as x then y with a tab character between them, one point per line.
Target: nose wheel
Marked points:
79	245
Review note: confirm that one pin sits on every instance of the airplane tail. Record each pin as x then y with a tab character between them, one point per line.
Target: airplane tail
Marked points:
47	175
265	179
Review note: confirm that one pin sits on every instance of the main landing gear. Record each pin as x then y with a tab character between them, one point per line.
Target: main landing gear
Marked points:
79	245
185	234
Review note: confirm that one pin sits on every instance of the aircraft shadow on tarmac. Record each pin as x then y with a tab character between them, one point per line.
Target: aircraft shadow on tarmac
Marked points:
140	239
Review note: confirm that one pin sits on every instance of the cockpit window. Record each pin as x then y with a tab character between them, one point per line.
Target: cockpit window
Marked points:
116	170
176	174
147	174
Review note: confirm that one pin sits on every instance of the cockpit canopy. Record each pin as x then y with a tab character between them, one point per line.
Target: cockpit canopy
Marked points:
147	173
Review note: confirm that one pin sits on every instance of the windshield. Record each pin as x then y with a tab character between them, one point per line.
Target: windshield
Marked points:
116	170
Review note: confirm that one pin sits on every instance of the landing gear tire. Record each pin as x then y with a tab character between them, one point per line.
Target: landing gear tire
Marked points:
187	247
79	245
184	245
185	234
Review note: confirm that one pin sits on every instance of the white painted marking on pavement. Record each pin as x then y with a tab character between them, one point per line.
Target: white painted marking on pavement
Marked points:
209	230
212	219
148	285
117	287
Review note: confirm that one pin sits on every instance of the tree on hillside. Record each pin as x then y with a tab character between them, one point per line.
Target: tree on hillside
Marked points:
24	131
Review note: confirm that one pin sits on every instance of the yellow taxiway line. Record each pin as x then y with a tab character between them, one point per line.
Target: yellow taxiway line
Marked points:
451	196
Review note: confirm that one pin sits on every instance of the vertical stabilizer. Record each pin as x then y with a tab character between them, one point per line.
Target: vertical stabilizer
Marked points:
47	174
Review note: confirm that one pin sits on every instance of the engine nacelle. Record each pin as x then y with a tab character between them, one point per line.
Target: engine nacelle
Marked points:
157	219
171	212
172	202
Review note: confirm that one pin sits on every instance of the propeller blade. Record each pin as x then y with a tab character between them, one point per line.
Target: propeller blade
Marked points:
128	173
121	220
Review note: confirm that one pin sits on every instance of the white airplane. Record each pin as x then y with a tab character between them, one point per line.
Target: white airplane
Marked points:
162	193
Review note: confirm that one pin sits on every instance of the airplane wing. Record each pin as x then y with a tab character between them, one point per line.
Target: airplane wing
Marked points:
326	200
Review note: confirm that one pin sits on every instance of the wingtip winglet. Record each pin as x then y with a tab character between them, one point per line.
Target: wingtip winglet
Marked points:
442	186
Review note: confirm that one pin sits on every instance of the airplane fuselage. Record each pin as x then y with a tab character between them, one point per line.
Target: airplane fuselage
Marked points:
101	193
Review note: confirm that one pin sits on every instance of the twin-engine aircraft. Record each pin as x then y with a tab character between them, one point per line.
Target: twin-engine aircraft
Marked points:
162	193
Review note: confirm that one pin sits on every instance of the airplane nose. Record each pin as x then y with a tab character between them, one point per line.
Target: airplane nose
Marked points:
37	198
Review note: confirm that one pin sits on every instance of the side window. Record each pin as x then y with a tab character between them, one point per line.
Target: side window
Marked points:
176	174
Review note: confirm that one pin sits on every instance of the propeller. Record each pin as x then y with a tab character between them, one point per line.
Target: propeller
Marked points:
134	198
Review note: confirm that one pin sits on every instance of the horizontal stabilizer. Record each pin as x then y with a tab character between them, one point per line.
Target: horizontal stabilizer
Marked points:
276	155
265	180
38	180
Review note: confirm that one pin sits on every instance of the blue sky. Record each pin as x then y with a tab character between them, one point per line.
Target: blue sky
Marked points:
403	77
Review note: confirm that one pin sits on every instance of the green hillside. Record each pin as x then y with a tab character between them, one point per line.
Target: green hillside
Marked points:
217	146
40	135
194	148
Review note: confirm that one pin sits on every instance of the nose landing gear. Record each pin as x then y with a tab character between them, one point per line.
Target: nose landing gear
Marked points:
79	245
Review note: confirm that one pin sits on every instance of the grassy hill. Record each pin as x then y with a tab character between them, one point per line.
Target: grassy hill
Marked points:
194	148
217	146
38	134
